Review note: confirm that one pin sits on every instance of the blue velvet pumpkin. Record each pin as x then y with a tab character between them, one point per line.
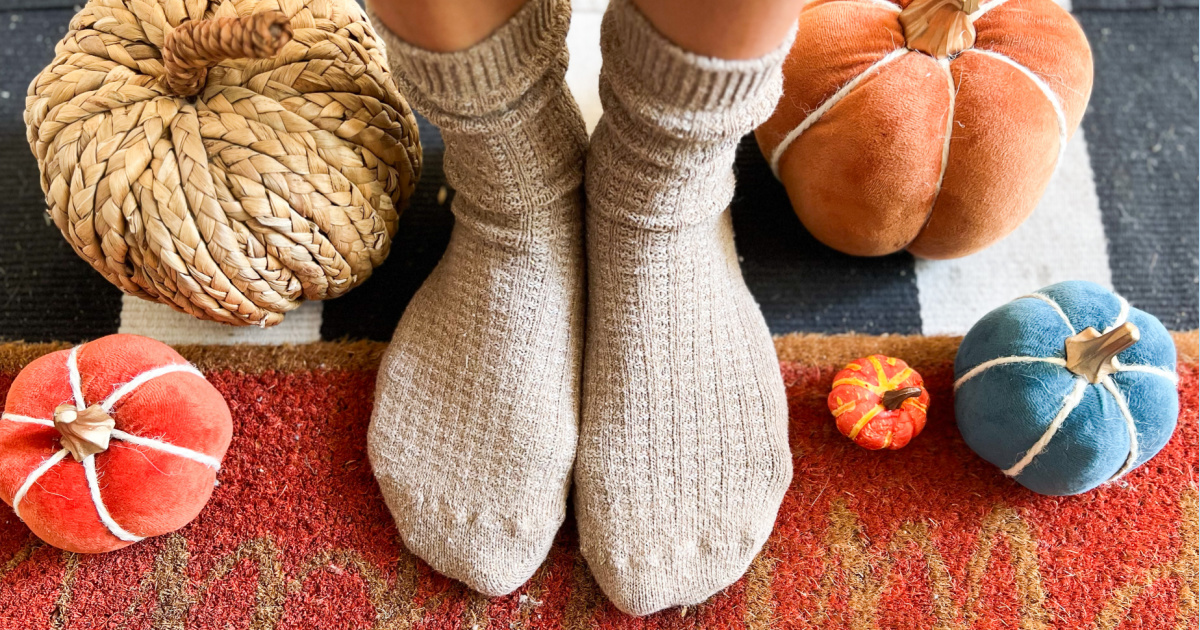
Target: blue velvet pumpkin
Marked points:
1066	388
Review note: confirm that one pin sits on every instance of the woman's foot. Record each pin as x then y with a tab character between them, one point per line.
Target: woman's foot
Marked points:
477	404
683	455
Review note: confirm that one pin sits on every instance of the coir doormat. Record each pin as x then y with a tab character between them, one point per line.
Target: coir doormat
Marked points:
296	535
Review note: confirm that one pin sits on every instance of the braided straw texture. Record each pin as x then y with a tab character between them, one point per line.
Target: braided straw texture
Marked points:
280	180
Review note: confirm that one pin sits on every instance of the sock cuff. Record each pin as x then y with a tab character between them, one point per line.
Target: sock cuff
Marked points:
491	75
683	80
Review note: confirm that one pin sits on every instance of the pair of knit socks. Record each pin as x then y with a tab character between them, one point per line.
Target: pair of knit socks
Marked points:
666	398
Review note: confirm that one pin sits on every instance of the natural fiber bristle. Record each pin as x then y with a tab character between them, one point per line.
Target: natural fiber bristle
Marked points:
924	537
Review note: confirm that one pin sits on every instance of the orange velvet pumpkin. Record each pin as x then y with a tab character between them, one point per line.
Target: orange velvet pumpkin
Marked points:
879	402
927	125
113	441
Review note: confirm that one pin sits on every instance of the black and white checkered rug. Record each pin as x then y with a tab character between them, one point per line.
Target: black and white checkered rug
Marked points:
1122	211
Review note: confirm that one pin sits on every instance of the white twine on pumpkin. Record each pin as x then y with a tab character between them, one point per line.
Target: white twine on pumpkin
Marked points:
984	8
167	447
12	417
820	111
75	378
89	471
937	190
1080	385
1055	102
140	379
987	365
1130	425
1069	404
1149	369
34	476
1122	315
884	4
89	465
1054	305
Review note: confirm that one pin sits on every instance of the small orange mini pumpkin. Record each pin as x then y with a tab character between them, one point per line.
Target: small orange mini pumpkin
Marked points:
926	125
879	402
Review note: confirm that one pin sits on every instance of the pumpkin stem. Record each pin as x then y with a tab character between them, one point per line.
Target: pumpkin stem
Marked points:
1094	356
894	398
940	28
85	432
194	47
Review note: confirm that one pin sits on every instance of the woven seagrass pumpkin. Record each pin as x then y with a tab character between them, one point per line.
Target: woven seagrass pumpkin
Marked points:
927	125
229	158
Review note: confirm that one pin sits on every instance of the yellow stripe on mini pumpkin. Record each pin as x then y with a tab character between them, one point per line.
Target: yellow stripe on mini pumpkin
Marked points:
880	374
862	422
858	382
900	378
844	408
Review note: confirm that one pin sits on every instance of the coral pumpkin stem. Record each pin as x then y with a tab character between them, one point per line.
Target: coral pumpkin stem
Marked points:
896	397
83	432
940	28
1094	356
194	47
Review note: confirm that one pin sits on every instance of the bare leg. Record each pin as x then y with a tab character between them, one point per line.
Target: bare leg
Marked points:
444	25
728	29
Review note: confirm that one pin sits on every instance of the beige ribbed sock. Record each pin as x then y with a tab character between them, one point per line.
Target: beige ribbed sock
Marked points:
477	404
683	454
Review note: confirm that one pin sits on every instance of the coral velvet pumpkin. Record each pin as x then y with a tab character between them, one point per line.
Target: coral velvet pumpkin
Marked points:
113	441
228	158
1066	388
925	124
879	402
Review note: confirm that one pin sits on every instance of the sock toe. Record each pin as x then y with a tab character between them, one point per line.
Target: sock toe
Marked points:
491	552
648	585
643	573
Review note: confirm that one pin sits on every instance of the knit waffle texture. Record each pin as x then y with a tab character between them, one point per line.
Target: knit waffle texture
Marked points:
477	403
683	454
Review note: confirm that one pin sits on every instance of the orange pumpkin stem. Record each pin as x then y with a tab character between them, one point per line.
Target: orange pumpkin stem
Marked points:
194	47
83	432
940	28
1094	356
896	397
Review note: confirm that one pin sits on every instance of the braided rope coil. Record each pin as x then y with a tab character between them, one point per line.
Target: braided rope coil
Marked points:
229	158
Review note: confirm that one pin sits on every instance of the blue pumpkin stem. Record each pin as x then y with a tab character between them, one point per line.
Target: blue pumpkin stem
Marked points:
1094	356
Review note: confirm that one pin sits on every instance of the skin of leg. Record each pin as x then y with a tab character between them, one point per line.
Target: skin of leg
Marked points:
445	25
728	29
